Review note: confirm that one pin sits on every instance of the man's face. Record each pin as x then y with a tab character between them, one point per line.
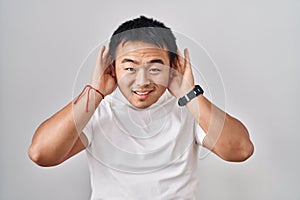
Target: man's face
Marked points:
142	71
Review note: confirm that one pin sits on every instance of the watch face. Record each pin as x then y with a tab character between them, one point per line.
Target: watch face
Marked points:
198	90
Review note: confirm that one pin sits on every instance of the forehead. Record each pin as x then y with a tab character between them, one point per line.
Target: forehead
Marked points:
140	49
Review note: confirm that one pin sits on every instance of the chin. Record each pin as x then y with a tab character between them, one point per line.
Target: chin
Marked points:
141	105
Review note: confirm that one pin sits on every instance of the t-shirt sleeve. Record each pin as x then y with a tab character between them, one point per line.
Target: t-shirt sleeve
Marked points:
88	130
199	133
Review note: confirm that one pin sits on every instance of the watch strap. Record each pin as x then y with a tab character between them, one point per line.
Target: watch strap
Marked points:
191	95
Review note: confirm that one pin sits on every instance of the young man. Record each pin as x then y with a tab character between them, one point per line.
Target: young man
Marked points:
141	120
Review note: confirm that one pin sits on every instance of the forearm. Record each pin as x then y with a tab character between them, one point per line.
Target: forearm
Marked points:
226	136
56	136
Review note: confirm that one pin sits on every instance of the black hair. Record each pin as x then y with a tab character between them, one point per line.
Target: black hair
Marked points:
146	30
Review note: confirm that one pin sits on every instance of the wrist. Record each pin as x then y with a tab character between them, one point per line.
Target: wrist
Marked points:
193	93
96	87
86	92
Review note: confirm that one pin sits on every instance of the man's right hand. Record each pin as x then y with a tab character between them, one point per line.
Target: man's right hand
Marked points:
103	77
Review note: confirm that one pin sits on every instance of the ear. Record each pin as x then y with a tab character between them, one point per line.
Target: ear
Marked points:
174	64
113	69
173	68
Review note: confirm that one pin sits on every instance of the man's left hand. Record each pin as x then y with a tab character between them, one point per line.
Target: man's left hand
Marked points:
181	77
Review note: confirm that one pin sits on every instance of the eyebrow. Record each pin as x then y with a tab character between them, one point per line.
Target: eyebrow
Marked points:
151	61
128	60
157	61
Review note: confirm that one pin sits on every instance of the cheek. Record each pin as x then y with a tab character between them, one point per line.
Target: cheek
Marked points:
124	80
161	79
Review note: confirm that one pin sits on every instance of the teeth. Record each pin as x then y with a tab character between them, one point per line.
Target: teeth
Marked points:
142	93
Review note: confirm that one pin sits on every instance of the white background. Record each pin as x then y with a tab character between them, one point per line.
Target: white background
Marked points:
255	44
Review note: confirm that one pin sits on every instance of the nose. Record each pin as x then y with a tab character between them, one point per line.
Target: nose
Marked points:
142	77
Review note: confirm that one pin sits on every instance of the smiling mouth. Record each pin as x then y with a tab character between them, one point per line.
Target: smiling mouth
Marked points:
142	94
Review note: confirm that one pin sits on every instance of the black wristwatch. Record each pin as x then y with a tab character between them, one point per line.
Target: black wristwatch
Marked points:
189	96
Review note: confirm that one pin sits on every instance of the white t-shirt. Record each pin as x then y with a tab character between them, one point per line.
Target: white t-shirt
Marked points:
144	154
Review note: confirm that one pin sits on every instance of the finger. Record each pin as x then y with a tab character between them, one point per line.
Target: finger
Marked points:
109	62
180	62
98	69
187	60
106	57
100	54
175	64
108	70
113	72
179	53
188	74
97	66
174	73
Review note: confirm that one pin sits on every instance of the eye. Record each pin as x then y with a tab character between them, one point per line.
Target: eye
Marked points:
130	69
154	70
